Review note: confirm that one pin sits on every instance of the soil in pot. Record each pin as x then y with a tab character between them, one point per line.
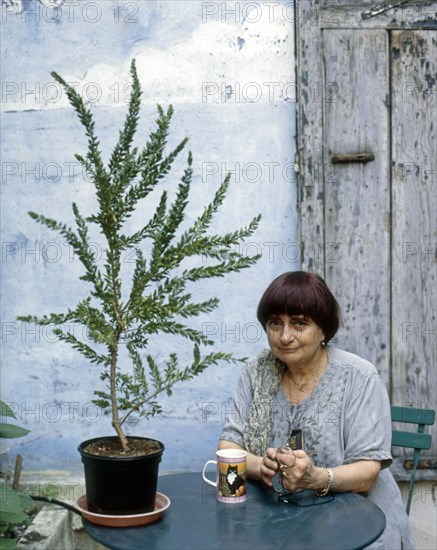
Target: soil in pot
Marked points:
118	483
113	447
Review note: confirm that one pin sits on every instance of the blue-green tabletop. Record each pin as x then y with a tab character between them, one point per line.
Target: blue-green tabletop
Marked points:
195	520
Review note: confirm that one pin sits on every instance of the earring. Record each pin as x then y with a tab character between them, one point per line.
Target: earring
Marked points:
323	343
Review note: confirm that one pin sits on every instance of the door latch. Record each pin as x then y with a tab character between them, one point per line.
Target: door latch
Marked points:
352	157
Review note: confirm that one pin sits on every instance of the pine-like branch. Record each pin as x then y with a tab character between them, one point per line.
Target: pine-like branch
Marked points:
121	157
86	350
94	156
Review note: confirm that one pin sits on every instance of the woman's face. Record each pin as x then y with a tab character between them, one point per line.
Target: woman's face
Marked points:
295	339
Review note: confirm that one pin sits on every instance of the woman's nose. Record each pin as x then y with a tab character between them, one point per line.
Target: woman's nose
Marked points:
287	334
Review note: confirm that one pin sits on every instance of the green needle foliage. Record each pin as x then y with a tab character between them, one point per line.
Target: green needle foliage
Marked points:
155	299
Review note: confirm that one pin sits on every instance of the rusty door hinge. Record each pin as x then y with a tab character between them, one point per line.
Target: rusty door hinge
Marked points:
352	157
382	7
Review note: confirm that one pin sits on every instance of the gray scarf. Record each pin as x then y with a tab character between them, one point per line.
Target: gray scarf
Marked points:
266	375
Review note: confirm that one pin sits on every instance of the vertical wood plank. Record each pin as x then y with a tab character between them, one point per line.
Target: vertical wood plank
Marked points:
414	175
357	195
309	75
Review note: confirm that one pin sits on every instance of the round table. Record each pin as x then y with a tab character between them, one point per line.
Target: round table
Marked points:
195	520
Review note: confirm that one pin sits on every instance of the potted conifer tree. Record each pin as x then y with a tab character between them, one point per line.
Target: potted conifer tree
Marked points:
122	311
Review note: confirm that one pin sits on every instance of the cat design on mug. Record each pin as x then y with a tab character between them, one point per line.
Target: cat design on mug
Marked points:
235	481
230	481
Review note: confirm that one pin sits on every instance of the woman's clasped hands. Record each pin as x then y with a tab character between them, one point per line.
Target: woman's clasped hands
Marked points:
295	469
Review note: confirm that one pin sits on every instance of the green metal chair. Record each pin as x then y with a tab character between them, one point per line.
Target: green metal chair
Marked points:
417	440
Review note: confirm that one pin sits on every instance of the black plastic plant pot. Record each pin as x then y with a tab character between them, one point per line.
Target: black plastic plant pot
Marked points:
120	485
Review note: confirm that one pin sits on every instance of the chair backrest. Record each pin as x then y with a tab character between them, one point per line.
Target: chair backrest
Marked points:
417	440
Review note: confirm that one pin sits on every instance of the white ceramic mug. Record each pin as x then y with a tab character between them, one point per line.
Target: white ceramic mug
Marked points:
231	475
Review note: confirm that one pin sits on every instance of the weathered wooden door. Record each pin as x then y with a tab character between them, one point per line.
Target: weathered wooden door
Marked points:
367	155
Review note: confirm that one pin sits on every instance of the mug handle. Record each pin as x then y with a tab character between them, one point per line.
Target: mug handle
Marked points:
213	483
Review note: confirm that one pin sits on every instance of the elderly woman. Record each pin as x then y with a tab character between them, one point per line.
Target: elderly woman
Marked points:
336	398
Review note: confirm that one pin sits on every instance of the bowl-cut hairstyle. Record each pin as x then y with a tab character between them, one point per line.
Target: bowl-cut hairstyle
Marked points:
301	293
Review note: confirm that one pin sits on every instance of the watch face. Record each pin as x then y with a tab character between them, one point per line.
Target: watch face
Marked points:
296	440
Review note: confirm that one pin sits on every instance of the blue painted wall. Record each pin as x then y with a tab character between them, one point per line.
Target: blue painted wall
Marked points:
228	69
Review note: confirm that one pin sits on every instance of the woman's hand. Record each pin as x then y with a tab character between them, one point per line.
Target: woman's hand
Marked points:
268	467
297	470
299	473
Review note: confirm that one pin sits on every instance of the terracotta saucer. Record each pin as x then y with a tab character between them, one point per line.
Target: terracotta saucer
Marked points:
161	504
